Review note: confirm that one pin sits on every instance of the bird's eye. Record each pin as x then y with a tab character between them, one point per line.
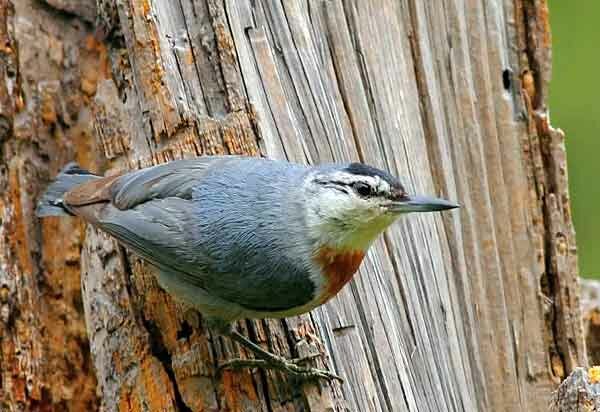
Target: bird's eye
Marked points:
362	189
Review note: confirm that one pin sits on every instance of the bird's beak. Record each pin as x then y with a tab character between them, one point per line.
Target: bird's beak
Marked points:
421	204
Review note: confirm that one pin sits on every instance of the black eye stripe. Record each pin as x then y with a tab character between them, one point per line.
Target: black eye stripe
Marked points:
361	188
331	182
339	186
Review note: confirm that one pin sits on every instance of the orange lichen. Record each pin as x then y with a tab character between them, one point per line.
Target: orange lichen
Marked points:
19	240
189	57
528	84
225	43
97	54
236	384
230	390
594	317
19	103
158	388
128	401
18	388
594	374
558	367
146	8
543	16
338	267
89	82
48	109
95	67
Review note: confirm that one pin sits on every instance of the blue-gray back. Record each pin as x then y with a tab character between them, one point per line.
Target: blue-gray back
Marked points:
230	225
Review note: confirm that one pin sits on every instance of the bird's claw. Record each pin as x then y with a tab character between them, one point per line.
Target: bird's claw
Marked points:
288	367
325	375
270	360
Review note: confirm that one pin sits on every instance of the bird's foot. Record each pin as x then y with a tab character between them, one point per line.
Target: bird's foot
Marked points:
268	360
289	367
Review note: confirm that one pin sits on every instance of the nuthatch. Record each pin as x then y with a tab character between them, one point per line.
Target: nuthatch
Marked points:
240	237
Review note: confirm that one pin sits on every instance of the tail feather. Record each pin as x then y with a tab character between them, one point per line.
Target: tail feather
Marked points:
51	203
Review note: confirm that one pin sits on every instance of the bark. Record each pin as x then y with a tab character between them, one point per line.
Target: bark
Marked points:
477	310
45	62
580	392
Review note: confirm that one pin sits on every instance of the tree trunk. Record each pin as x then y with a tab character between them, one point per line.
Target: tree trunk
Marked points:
477	310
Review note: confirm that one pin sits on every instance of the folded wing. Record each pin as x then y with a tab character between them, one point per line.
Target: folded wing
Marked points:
152	212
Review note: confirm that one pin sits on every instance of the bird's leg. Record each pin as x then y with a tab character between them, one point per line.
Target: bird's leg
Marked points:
269	360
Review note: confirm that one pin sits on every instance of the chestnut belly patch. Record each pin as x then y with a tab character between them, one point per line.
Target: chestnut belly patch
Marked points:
337	267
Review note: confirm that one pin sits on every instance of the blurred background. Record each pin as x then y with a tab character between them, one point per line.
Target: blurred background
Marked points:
574	108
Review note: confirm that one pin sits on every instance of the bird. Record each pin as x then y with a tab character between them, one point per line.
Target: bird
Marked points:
239	237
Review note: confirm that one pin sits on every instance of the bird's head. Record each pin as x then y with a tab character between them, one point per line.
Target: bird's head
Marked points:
350	205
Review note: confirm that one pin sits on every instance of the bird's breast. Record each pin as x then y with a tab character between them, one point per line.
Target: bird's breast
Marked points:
337	267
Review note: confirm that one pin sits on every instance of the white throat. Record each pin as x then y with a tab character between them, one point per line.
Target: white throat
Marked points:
345	228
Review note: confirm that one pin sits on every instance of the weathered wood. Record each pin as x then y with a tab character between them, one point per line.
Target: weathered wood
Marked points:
48	70
476	310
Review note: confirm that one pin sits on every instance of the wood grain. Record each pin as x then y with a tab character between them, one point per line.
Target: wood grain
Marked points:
475	310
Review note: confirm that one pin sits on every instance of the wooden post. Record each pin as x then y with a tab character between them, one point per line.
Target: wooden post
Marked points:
470	311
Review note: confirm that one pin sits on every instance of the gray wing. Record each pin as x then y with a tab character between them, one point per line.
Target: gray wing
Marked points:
158	231
173	179
146	209
151	211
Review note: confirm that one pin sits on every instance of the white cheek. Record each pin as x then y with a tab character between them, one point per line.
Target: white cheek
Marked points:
333	204
340	211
